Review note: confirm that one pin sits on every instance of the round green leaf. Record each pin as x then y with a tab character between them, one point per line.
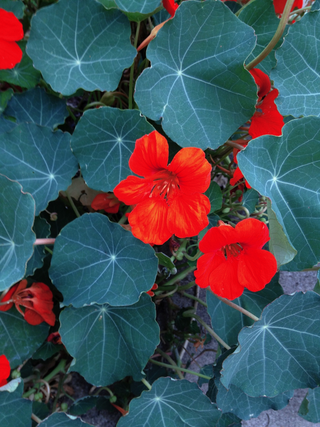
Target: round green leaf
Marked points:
286	169
97	261
89	45
23	74
197	83
37	106
214	194
15	6
103	142
5	125
281	351
16	235
14	410
63	420
19	339
261	17
42	231
309	409
297	74
109	343
171	403
41	160
141	6
4	99
228	322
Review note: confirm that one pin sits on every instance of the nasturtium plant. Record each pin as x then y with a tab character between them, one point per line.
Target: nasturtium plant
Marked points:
149	149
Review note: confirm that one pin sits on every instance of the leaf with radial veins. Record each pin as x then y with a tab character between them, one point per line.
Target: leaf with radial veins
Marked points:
19	339
16	235
109	343
39	107
4	99
39	159
261	17
297	74
97	261
286	169
15	6
197	83
60	419
228	322
23	74
281	351
77	44
42	230
14	410
171	403
141	6
103	142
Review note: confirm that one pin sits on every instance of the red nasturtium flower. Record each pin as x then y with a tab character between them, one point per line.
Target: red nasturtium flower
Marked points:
11	30
154	287
237	176
170	6
169	198
262	81
234	259
37	300
280	4
106	201
4	370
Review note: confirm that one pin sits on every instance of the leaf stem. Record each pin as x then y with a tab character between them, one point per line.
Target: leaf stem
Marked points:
75	210
170	360
36	419
207	327
237	307
44	242
145	382
132	69
177	368
281	27
194	298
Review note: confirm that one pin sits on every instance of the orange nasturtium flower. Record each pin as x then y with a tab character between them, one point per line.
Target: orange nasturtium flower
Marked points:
4	370
37	300
106	201
169	198
11	30
234	259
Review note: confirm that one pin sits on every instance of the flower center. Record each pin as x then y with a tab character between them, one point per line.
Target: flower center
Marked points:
166	184
233	250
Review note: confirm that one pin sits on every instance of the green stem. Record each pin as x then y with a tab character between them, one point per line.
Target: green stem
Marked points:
59	368
207	327
237	307
171	292
145	382
36	419
71	114
194	298
104	388
48	250
75	210
170	360
193	258
177	368
132	69
281	27
61	381
123	219
180	288
303	9
180	276
94	104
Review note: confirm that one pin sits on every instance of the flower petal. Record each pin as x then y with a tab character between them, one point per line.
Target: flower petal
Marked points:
7	297
170	6
256	268
218	237
237	176
11	28
268	121
192	170
252	232
150	155
32	317
133	190
4	370
220	274
10	54
262	80
106	201
188	214
149	221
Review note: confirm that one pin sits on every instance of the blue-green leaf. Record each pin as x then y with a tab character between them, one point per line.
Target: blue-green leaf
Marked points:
16	235
109	343
281	351
81	54
103	142
286	169
37	106
197	83
14	410
15	6
63	420
42	230
39	159
171	403
309	409
97	261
